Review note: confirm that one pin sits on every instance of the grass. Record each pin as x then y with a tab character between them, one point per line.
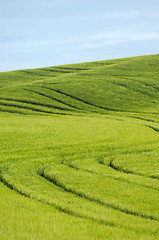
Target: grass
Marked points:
79	151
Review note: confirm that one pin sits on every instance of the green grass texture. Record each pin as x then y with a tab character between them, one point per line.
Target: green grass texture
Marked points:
79	151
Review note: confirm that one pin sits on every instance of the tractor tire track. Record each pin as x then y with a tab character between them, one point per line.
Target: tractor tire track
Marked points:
34	103
58	207
81	100
112	177
116	168
55	99
106	204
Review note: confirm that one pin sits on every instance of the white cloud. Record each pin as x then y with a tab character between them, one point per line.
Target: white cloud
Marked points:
105	39
126	36
100	44
85	42
121	15
33	43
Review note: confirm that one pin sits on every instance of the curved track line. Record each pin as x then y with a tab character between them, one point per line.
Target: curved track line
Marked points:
60	208
55	99
112	177
24	107
83	101
112	165
133	90
106	204
34	103
91	104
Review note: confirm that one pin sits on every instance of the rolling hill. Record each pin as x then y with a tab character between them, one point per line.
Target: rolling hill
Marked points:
79	151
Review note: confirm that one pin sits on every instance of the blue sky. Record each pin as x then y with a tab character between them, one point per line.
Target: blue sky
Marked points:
38	33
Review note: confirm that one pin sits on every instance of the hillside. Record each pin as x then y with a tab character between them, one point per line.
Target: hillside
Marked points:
79	151
122	85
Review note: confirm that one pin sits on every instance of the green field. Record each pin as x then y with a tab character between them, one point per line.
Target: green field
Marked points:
79	151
